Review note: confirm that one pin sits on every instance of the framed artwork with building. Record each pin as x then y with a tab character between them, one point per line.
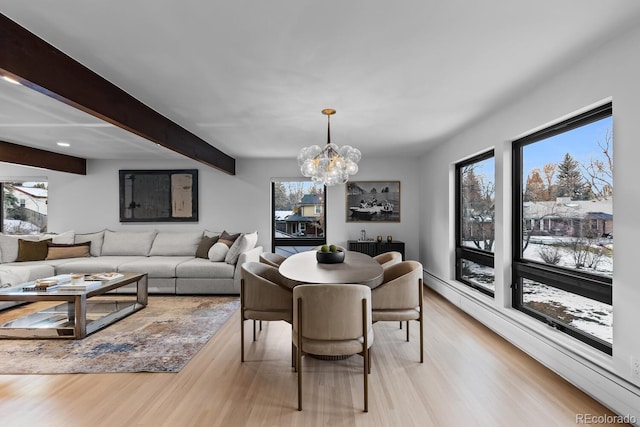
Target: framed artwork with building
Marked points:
372	201
159	195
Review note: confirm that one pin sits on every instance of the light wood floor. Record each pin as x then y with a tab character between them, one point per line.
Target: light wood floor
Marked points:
470	377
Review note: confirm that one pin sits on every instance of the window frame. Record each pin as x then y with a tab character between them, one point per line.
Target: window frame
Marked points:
22	202
290	242
583	283
462	253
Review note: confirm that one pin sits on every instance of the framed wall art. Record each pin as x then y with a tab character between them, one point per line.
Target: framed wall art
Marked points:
159	195
373	201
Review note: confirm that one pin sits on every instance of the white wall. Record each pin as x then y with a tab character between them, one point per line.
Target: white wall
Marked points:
610	71
233	203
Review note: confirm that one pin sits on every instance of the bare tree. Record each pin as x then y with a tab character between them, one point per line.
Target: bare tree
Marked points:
585	251
549	171
599	173
479	216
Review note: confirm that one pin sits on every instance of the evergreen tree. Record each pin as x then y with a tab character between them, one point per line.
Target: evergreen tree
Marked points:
570	180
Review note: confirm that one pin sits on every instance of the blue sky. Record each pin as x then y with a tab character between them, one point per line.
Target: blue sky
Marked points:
581	143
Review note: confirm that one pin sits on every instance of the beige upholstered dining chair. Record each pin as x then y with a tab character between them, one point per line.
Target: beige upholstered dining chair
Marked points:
264	295
387	259
332	320
272	259
399	297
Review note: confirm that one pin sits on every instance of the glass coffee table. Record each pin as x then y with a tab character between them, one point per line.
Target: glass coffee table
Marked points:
80	313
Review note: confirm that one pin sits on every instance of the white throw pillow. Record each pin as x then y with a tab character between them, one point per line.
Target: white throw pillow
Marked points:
242	244
218	251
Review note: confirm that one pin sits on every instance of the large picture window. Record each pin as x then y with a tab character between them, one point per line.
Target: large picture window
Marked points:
298	216
24	207
475	225
563	226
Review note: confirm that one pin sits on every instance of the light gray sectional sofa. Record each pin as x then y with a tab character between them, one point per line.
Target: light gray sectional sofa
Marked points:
168	257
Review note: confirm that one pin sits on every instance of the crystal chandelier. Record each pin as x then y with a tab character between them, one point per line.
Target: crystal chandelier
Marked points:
331	165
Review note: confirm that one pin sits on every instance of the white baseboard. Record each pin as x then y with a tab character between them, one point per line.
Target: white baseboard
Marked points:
614	392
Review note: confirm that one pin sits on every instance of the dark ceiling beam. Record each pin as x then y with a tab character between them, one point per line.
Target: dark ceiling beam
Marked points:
37	64
28	156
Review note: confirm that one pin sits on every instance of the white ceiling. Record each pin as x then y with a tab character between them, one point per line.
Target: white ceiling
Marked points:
251	77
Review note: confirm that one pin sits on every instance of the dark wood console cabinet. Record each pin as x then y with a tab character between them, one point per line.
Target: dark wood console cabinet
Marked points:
374	248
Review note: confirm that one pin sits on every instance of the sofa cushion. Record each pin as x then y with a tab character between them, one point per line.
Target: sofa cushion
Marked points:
29	250
60	250
202	268
96	240
155	266
174	243
11	276
32	270
90	265
205	244
217	252
127	242
242	244
9	245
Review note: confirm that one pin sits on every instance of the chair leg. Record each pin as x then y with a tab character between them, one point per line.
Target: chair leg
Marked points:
421	293
294	353
401	324
261	326
299	354
366	370
407	330
365	373
421	340
241	320
241	337
254	330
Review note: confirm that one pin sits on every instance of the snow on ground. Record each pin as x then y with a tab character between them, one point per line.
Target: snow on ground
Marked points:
12	226
590	316
585	314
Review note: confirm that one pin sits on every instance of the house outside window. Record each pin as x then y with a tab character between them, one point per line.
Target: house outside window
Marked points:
298	216
564	228
475	225
24	207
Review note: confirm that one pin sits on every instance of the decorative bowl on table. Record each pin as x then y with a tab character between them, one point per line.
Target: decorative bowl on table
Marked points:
335	257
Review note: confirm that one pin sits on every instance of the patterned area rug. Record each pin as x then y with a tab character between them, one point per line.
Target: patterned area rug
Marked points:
162	337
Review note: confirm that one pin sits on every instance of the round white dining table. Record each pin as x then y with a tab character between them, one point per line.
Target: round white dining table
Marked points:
357	268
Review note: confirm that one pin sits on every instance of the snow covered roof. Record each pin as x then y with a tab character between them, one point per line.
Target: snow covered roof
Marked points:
566	208
33	191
